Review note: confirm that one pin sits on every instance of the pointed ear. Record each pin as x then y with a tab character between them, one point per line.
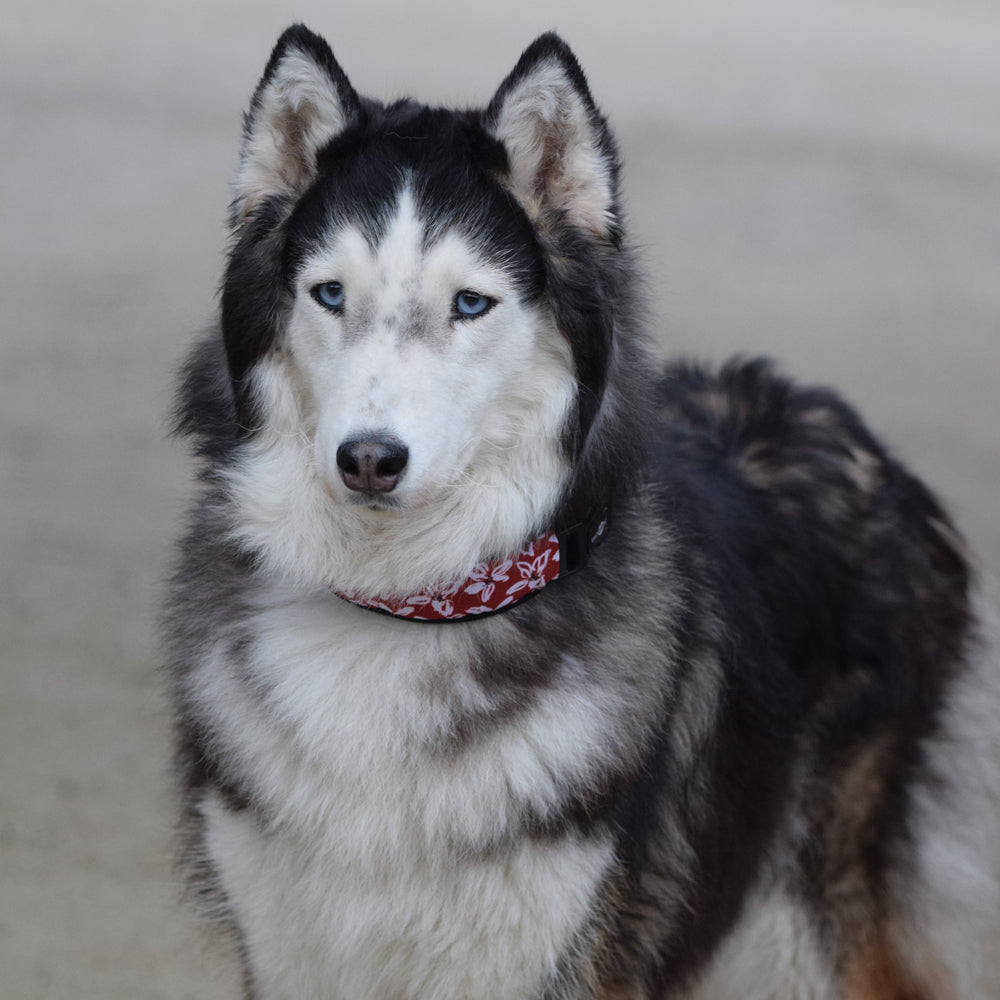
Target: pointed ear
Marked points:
302	102
561	153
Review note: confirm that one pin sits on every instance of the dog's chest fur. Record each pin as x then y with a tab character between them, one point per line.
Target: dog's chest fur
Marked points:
378	765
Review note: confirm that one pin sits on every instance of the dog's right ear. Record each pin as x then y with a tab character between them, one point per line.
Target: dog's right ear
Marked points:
302	102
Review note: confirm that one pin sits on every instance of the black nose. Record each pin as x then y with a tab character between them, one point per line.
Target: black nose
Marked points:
373	464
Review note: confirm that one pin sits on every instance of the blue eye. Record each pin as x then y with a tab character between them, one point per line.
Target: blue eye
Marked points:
330	295
471	304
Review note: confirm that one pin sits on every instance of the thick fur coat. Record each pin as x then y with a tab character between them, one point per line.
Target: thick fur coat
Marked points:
750	750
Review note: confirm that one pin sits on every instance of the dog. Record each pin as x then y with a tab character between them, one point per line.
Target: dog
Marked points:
506	664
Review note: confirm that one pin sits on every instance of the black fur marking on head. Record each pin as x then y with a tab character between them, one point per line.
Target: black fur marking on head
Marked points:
447	160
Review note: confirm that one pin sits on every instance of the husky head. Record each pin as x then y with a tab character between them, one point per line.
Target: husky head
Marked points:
421	320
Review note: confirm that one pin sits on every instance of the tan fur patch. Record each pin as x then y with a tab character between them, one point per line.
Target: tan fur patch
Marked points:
618	993
873	969
846	818
875	973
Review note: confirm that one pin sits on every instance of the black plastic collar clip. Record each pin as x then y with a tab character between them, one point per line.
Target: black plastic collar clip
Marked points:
577	542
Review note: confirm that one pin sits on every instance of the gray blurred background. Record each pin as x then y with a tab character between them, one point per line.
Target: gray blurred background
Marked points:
814	179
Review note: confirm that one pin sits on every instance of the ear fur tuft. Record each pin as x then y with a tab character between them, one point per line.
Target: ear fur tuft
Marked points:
303	100
561	153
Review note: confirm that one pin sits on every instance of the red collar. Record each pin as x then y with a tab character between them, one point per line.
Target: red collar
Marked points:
498	584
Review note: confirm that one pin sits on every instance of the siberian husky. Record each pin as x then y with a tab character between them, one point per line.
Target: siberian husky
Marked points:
507	667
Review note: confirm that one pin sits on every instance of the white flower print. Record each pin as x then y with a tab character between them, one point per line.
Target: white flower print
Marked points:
485	577
532	572
439	600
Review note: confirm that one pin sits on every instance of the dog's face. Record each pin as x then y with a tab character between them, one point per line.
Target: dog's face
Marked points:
421	361
391	318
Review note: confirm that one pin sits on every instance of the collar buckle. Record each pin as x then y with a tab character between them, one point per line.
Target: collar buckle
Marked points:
579	540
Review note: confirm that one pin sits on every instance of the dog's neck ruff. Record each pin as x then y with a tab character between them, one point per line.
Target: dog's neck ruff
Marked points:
498	584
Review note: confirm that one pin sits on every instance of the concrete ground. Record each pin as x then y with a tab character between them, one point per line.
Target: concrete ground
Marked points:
816	180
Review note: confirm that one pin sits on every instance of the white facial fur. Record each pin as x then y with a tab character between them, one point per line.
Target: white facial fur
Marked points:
480	403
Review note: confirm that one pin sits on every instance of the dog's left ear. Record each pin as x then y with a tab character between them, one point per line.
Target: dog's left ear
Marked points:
561	153
302	102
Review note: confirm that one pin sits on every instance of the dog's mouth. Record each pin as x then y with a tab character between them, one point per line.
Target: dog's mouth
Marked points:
376	502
